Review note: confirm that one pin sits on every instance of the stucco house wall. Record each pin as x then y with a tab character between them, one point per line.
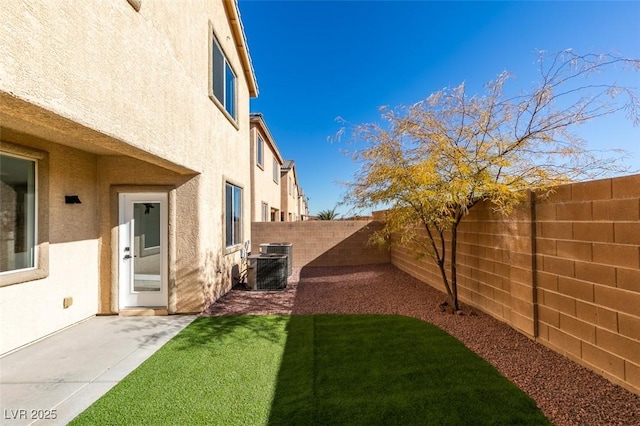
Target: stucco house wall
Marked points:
303	205
264	188
34	308
289	192
111	99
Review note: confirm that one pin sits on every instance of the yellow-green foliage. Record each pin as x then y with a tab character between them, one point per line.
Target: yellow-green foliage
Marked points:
430	162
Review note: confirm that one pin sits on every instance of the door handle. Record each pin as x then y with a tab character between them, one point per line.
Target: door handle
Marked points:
128	256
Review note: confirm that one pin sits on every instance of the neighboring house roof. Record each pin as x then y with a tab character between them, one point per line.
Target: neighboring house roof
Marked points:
258	118
288	165
233	14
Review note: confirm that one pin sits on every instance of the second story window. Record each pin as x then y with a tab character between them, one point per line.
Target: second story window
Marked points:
224	80
260	152
276	171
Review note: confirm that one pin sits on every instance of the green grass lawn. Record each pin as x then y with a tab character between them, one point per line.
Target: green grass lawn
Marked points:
313	370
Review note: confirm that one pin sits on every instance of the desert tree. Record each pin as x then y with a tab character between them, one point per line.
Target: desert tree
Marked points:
429	163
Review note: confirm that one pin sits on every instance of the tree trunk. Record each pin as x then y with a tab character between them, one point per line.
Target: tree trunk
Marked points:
440	257
443	272
454	272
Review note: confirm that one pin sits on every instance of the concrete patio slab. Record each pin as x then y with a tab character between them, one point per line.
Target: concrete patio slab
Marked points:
53	380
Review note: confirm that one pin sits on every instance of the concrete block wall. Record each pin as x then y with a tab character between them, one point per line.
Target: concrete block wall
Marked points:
588	276
566	273
323	243
496	257
494	263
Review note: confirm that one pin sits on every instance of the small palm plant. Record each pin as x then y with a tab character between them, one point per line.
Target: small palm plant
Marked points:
328	214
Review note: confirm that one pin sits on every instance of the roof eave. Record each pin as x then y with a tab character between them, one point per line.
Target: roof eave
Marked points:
259	119
233	14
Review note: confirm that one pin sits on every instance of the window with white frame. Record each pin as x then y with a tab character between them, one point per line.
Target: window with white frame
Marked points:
276	171
265	212
17	213
233	215
223	79
260	151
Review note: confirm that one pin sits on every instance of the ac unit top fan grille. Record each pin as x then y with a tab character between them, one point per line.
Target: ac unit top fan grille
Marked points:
282	248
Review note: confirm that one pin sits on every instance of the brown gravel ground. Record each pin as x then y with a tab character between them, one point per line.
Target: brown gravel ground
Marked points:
567	393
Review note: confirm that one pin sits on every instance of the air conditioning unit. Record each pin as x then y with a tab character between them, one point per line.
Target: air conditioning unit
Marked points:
282	248
267	271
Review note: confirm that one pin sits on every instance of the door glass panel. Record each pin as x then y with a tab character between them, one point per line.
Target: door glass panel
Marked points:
147	260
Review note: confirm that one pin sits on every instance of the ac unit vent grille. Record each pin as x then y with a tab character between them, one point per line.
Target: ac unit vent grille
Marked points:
267	272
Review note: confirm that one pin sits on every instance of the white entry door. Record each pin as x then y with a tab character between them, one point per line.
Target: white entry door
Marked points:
143	236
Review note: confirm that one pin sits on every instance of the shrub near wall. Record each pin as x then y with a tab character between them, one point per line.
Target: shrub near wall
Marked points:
566	272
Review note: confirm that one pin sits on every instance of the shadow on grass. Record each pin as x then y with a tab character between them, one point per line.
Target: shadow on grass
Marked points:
209	331
313	370
217	371
376	369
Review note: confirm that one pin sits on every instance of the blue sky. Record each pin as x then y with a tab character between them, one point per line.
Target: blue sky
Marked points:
318	60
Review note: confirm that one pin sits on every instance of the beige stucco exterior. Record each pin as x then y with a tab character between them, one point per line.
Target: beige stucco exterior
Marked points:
265	189
289	192
282	196
303	205
109	99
